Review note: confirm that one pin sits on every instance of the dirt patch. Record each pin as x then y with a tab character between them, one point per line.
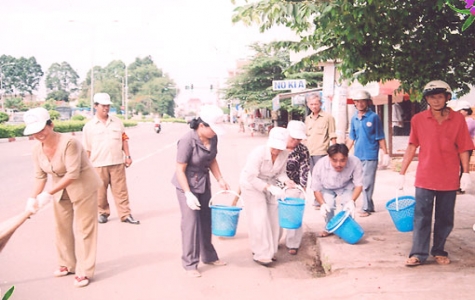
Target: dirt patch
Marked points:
305	264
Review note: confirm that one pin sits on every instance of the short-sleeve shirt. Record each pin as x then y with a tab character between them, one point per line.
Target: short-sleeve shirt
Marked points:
320	130
198	158
440	145
104	141
366	132
471	126
298	165
324	176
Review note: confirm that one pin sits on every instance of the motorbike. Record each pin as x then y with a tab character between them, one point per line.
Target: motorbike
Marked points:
157	127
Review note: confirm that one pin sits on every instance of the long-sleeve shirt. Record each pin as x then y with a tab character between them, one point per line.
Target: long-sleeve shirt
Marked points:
260	171
298	165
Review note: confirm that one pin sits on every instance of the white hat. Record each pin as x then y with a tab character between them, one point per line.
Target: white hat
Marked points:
297	130
278	137
35	120
102	98
360	95
213	116
461	104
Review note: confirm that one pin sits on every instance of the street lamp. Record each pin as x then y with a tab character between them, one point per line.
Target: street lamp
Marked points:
1	83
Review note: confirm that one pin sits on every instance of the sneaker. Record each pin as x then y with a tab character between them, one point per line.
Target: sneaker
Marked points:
62	271
81	281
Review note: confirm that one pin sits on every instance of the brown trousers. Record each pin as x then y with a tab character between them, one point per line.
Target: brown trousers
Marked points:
115	177
76	248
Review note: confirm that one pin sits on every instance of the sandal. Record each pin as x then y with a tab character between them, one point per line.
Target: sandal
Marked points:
413	261
217	263
442	260
81	281
61	271
293	251
325	234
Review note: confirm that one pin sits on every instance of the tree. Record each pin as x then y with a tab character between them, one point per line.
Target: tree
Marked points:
412	41
61	80
20	75
253	86
15	103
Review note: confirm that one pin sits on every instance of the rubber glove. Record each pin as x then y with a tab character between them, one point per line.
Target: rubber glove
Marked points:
32	205
324	209
44	199
192	201
465	181
400	181
276	191
351	207
386	160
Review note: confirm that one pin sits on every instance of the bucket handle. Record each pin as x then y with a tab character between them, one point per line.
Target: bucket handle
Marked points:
347	214
297	187
224	192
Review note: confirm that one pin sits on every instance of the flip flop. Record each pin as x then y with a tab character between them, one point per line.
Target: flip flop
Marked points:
293	251
442	260
364	214
413	261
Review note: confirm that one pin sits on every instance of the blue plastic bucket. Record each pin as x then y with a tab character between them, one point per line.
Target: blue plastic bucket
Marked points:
402	213
291	212
343	225
224	220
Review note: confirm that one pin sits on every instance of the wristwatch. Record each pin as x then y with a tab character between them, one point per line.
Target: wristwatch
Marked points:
128	156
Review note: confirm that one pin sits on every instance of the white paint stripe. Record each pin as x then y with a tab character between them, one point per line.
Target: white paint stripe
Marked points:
155	152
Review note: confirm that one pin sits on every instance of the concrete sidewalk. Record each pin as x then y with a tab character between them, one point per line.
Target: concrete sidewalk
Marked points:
383	246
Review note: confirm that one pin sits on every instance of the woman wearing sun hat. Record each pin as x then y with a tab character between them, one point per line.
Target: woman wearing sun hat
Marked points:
265	169
73	193
196	156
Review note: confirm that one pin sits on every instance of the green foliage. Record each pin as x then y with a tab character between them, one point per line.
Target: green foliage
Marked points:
58	95
9	293
78	118
15	103
149	89
50	104
61	80
412	41
54	114
20	75
3	117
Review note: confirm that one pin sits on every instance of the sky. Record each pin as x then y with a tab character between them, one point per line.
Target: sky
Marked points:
192	41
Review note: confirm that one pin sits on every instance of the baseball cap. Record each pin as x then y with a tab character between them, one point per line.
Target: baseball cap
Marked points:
213	116
278	137
35	120
297	130
102	98
461	104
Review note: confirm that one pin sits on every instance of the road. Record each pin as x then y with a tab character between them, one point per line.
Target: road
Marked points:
138	262
143	262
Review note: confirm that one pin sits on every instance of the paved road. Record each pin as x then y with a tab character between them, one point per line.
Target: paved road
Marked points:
143	262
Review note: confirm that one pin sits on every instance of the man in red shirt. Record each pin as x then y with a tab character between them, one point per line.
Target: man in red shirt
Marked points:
443	141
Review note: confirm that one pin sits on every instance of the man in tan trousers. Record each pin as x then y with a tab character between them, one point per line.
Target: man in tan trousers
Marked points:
107	145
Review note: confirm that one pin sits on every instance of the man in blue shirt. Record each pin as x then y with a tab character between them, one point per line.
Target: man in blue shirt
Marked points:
367	134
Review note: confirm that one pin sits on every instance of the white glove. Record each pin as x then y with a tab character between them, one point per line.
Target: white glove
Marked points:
276	191
44	199
32	205
400	182
465	181
192	201
386	160
324	210
350	206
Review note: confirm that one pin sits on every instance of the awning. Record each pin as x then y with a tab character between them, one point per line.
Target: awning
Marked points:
379	91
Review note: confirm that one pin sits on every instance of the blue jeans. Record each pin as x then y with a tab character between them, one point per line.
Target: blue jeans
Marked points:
330	199
369	178
443	224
